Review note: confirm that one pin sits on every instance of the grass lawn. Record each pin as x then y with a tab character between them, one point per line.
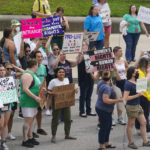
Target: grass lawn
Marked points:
72	7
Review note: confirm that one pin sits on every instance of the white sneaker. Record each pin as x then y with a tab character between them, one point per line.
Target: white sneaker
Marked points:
148	134
138	132
4	146
48	113
11	137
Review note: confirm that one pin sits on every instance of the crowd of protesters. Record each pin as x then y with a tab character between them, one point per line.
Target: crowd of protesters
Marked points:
42	62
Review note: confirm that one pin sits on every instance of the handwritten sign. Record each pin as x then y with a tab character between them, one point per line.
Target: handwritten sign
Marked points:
105	15
144	15
8	93
51	26
99	60
72	42
141	85
91	36
65	96
31	28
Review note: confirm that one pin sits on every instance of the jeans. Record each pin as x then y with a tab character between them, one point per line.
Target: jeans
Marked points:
131	40
105	126
145	106
98	44
86	90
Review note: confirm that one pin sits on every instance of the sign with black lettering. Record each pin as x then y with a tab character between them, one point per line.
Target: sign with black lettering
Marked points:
99	60
65	96
8	92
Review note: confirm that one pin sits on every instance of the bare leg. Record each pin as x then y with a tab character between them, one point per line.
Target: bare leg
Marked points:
10	122
30	135
39	119
142	122
131	122
106	40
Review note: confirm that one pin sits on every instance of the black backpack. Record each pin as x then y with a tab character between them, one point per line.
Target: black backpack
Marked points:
32	15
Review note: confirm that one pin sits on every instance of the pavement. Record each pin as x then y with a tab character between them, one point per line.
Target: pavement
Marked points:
85	129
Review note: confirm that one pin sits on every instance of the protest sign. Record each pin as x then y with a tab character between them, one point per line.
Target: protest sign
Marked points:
72	42
105	15
65	96
8	92
51	26
42	94
144	15
99	60
141	85
91	36
31	28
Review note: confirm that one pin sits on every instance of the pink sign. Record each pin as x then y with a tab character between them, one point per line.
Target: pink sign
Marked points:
31	28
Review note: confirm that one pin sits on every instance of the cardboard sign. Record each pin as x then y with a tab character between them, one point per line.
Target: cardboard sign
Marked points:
31	28
144	15
42	95
72	42
99	60
65	96
8	93
105	15
51	26
91	36
141	85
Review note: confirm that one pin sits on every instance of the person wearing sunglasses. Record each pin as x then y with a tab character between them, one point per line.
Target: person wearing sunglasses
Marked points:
51	58
24	54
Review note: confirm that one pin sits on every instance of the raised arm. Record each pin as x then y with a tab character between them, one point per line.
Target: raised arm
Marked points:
48	45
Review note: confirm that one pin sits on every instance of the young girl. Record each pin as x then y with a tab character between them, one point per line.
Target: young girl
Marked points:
66	112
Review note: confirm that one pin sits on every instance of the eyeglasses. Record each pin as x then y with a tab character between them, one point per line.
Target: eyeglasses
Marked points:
55	49
9	68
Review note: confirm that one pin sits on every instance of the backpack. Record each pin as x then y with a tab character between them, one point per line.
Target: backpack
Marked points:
32	15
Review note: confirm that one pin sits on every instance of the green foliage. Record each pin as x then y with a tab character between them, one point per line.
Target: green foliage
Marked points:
72	7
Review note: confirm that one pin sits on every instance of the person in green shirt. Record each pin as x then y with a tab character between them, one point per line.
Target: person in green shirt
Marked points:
29	101
133	32
41	74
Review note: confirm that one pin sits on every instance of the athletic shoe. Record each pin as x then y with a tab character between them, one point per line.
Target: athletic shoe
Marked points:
47	112
113	123
133	146
33	141
27	144
147	143
42	132
121	121
4	146
11	137
20	116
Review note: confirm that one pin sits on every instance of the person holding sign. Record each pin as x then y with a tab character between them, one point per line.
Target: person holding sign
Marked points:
66	112
29	101
41	9
104	12
133	108
145	98
104	108
58	39
4	115
93	22
133	32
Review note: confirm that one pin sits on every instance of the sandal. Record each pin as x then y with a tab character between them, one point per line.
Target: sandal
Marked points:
110	146
102	149
70	138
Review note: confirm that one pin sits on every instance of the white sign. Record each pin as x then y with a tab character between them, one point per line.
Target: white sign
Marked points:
105	15
72	42
144	15
141	85
8	92
91	36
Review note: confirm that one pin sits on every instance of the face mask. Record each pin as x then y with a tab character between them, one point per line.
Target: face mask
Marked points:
137	75
18	29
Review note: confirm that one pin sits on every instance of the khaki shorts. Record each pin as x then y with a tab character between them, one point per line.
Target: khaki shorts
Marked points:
133	111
